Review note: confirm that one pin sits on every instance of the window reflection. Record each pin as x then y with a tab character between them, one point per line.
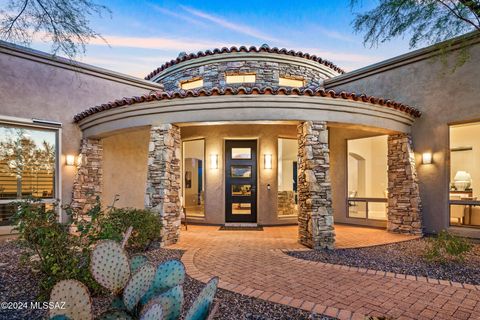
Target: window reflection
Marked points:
287	177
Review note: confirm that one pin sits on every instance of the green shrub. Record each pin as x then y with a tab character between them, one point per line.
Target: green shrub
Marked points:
51	248
112	224
447	247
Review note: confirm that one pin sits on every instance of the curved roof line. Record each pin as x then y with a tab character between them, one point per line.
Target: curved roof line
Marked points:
263	48
180	94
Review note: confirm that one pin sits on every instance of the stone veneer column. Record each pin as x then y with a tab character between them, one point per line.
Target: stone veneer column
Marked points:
404	205
87	184
163	180
315	216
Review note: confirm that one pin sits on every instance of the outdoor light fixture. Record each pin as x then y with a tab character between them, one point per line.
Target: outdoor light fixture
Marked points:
214	161
427	158
70	160
267	161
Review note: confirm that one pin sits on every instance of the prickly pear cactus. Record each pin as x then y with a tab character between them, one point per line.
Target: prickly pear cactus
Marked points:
110	266
114	315
171	302
201	305
117	303
75	295
152	311
138	285
168	275
137	261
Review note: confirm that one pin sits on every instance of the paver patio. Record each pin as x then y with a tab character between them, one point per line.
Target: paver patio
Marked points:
251	263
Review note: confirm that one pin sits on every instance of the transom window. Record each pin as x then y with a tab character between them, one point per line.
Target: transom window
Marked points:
191	84
291	82
240	78
28	166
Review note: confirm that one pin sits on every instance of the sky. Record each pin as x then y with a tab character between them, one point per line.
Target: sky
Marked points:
142	35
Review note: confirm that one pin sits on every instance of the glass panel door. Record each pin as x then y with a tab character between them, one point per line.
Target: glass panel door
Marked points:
240	181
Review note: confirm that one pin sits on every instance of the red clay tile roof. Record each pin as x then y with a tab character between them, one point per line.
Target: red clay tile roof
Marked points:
263	48
180	94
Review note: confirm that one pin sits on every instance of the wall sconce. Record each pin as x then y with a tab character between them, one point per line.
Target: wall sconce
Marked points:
70	160
214	161
267	161
427	158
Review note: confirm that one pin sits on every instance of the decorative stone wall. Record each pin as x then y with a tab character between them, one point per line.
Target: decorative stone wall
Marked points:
267	74
404	204
286	203
315	216
163	180
87	184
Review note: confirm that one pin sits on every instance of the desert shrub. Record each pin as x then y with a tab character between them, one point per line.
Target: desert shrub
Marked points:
447	247
51	249
146	226
98	224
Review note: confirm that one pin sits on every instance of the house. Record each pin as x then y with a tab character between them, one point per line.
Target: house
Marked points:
250	135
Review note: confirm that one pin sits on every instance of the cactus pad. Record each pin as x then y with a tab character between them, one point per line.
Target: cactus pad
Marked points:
75	295
201	305
171	302
138	285
109	265
152	311
137	261
114	315
117	303
169	274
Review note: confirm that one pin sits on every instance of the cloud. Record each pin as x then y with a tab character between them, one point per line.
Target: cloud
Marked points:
333	34
243	29
160	43
343	56
178	15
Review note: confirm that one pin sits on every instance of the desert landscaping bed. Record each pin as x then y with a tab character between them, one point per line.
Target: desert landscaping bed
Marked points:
403	257
19	283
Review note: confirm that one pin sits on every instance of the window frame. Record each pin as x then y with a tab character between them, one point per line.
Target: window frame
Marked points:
204	175
48	125
290	216
301	79
242	74
366	200
448	167
191	80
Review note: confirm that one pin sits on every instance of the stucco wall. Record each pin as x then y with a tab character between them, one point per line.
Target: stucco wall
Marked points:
443	97
267	136
125	157
32	86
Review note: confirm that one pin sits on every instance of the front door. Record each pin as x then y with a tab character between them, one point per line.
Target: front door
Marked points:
241	181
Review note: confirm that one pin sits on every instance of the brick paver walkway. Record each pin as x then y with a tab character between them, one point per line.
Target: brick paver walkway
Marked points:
251	263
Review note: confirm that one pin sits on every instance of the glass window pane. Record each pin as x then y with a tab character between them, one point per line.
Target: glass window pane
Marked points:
465	174
357	209
6	212
287	197
290	82
27	162
241	208
193	177
241	153
241	171
377	210
241	190
192	84
240	78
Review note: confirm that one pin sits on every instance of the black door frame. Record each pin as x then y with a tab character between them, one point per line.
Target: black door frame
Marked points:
229	181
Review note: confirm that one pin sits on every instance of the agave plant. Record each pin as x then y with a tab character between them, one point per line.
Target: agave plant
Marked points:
141	290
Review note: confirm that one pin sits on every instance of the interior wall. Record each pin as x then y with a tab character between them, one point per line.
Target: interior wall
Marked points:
338	140
125	159
267	137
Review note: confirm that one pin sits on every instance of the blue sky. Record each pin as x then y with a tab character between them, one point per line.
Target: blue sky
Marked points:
144	34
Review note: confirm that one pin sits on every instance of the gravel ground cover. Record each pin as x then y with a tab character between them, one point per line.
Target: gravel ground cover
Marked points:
18	283
402	257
